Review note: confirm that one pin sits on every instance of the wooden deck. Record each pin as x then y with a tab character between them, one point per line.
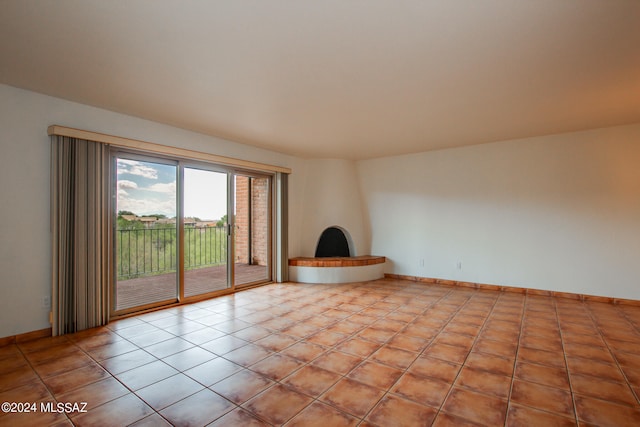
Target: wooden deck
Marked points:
145	290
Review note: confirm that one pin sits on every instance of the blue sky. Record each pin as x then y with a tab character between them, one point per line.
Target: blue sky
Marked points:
150	188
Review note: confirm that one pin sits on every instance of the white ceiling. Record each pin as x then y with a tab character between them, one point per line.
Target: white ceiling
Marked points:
336	78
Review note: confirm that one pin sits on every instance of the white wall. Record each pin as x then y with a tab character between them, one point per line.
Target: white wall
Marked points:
332	197
559	212
24	194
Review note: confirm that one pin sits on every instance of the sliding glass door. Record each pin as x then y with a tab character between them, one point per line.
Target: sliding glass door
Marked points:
252	242
187	230
205	231
146	233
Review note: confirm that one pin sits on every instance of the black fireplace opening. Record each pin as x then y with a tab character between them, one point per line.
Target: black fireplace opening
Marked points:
332	243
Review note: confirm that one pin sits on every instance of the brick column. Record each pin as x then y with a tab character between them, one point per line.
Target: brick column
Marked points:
259	220
242	220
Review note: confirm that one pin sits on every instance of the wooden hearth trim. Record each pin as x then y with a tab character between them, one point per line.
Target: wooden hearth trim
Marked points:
356	261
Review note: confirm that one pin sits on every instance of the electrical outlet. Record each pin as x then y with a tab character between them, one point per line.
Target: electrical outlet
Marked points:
46	301
459	265
421	262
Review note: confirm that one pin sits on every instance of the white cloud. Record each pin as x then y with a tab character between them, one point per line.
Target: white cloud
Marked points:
144	171
137	196
125	165
126	184
128	162
133	167
165	188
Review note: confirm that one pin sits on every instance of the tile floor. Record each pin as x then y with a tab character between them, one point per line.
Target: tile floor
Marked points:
383	353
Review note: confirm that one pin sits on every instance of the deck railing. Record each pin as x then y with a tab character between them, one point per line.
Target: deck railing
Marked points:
150	251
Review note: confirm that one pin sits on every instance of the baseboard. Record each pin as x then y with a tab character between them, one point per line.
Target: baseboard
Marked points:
27	336
525	291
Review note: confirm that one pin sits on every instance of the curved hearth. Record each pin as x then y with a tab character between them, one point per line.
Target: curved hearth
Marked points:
336	269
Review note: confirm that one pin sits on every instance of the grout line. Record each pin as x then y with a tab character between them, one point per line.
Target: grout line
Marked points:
38	375
475	292
566	362
309	363
523	310
611	352
404	371
276	295
329	348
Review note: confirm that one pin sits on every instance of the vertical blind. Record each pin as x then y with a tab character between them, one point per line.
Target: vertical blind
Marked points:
80	214
80	234
282	221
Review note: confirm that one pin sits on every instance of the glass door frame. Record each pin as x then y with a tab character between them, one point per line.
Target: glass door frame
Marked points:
141	157
180	164
270	267
210	167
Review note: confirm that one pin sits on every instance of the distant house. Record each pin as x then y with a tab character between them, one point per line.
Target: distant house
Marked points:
147	220
203	224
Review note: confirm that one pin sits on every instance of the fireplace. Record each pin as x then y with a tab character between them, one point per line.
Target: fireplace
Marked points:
333	243
335	261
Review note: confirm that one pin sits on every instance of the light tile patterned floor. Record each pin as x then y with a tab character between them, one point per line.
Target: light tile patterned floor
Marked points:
383	353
